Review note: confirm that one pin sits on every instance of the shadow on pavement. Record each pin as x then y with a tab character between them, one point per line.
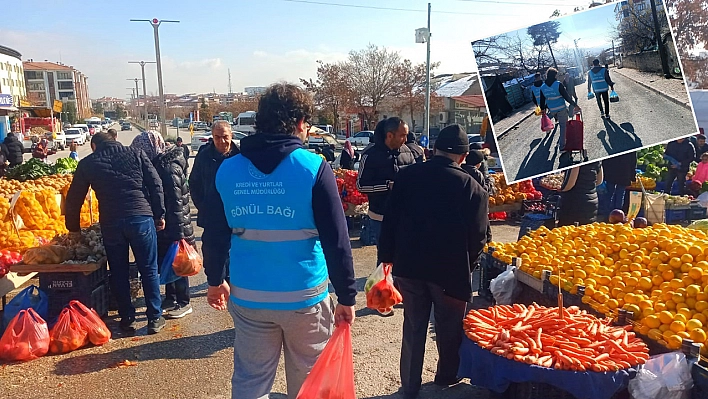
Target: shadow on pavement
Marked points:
618	138
192	347
539	159
432	391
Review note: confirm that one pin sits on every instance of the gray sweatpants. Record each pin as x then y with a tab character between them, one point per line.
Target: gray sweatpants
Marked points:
561	120
261	334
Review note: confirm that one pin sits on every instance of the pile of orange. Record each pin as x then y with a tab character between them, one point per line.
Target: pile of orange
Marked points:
660	273
507	193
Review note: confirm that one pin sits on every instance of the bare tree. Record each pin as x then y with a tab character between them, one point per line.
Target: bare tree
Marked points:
330	90
371	76
489	49
411	88
636	30
545	34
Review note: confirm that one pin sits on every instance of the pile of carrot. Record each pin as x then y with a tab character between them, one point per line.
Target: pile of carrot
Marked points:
559	338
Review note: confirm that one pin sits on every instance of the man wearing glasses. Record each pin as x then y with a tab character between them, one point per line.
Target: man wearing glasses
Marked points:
289	240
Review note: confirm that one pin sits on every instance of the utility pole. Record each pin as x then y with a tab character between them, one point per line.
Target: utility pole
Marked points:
659	42
579	57
422	35
155	25
614	59
142	69
137	96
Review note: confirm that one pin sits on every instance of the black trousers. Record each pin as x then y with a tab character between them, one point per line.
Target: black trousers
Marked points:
603	97
680	176
418	299
176	292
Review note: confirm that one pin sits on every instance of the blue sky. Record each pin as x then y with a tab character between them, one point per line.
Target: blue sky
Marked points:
261	41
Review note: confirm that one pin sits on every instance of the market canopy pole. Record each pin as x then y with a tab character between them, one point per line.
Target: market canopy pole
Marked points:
155	25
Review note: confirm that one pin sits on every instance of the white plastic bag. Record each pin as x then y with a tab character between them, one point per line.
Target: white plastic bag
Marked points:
504	287
377	275
703	199
666	376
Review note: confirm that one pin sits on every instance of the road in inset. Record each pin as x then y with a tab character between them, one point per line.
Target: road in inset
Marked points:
641	118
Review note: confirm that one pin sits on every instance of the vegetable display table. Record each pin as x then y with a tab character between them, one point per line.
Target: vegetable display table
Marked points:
496	373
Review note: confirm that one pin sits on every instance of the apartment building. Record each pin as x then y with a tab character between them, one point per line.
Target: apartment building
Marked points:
49	81
12	78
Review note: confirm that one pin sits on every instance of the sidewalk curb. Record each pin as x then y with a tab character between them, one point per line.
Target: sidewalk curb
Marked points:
504	133
672	99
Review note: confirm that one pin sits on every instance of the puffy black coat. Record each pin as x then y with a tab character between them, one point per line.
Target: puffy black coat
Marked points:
580	203
379	166
14	149
171	166
416	150
621	169
125	182
202	185
347	161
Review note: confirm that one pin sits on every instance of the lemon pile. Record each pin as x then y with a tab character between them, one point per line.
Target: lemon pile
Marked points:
660	273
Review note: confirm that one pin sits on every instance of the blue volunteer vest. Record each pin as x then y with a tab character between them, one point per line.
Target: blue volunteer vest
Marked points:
599	84
537	93
276	257
554	100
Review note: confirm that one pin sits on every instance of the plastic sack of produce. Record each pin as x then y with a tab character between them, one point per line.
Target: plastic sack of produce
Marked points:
187	262
167	272
332	376
381	295
703	199
591	95
614	97
68	334
29	298
97	331
546	123
26	337
505	287
666	376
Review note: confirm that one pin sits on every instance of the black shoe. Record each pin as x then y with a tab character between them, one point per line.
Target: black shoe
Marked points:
127	324
607	116
154	326
447	383
167	305
602	115
178	312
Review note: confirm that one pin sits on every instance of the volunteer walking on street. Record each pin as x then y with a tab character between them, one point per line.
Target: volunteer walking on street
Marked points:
289	240
600	82
433	237
553	98
536	89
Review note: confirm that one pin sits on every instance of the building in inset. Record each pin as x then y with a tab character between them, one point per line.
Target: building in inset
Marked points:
49	81
12	80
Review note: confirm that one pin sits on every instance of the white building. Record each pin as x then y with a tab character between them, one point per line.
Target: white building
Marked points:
12	79
48	81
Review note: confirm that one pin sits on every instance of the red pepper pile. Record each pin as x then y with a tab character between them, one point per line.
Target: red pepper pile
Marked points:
7	259
527	187
348	191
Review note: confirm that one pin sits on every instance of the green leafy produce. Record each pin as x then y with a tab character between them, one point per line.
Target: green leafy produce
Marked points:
65	165
701	225
30	170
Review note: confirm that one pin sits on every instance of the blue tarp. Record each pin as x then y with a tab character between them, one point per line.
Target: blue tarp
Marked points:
487	370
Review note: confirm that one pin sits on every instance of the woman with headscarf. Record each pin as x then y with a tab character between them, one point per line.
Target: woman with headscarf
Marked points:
171	166
348	157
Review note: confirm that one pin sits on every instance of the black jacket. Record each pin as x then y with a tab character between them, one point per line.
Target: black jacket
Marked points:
682	152
621	169
171	166
580	202
417	151
436	234
346	161
700	150
185	149
125	182
266	152
379	165
329	154
202	186
486	184
14	149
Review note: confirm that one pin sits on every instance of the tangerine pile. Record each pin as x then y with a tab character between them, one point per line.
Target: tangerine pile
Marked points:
660	273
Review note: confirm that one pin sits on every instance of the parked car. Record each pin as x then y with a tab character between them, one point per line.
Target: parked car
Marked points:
154	124
59	141
199	140
362	138
199	125
125	126
184	124
77	135
85	128
475	138
322	140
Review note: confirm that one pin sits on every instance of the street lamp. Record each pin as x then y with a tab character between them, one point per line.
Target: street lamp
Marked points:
137	95
142	68
155	25
132	96
422	35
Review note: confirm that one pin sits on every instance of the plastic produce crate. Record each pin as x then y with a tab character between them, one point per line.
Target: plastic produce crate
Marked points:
697	212
675	215
96	298
73	280
537	390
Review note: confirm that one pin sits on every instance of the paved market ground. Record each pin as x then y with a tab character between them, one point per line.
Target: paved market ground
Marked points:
192	358
641	118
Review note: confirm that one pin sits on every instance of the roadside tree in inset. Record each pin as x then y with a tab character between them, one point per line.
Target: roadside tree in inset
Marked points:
370	76
546	33
489	50
330	91
527	55
636	29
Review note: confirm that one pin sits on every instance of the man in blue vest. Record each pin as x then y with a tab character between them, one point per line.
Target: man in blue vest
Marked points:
600	82
289	239
536	89
553	98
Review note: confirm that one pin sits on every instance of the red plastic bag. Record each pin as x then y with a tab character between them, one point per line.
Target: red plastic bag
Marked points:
546	123
97	331
187	262
26	337
68	334
382	296
332	376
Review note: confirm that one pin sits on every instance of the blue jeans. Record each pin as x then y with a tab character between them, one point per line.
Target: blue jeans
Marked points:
615	195
138	233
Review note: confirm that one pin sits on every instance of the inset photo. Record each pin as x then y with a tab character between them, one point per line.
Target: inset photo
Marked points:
583	87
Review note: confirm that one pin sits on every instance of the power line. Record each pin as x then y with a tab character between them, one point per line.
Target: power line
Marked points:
322	3
528	3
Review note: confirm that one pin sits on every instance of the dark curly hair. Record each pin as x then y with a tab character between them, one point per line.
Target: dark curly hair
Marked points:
281	107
